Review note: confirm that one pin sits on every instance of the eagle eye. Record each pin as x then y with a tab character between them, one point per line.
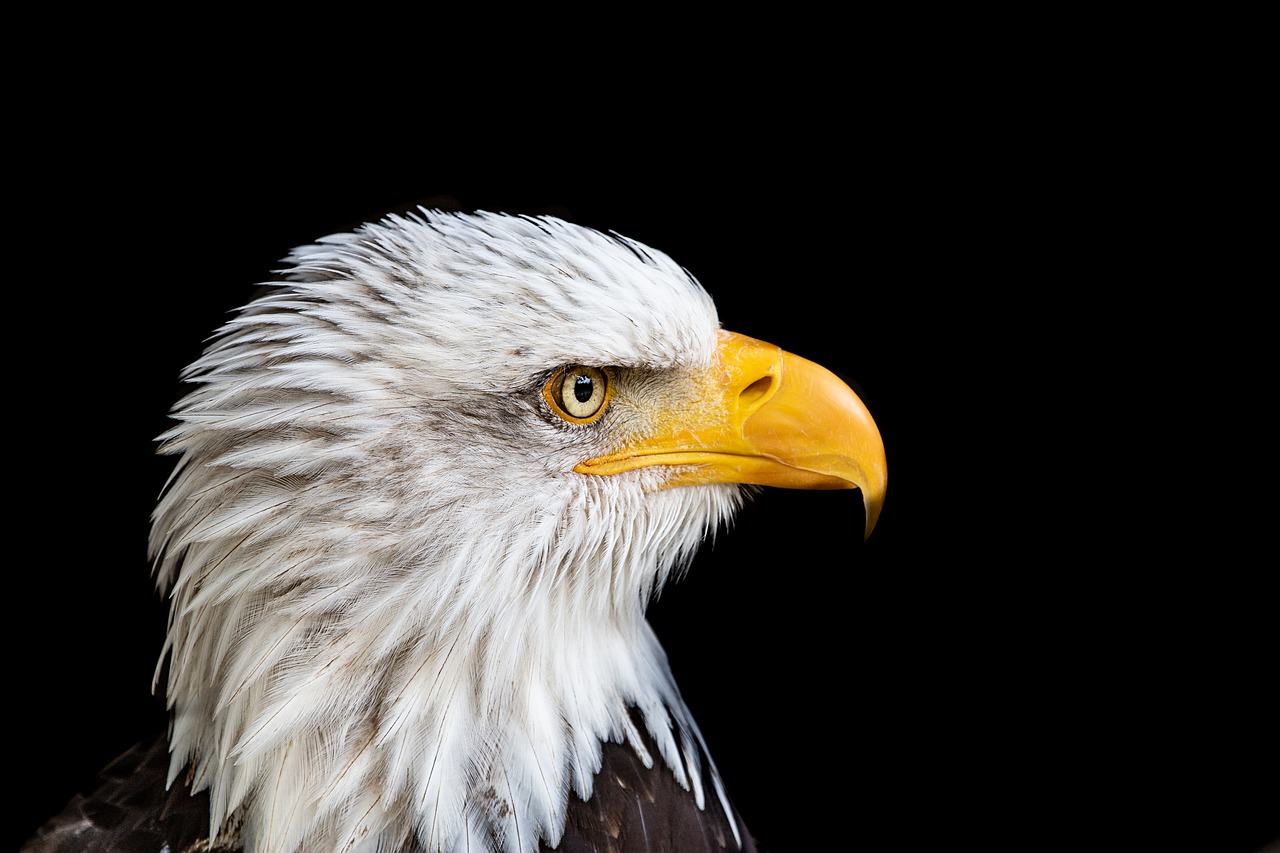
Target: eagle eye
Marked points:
578	393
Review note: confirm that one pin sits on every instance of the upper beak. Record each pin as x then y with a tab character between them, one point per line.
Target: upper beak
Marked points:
769	418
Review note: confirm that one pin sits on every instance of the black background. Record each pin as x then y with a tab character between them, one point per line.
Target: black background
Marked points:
1014	658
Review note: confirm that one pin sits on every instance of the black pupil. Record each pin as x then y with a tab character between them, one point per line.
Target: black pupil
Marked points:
582	388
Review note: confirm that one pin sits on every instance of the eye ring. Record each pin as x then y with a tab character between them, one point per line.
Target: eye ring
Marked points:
578	393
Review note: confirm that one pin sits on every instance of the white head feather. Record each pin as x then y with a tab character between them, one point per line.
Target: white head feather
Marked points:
396	610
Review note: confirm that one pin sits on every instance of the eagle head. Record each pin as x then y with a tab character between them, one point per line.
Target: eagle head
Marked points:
425	486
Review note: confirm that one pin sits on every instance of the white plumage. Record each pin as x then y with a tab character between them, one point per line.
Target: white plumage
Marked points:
403	615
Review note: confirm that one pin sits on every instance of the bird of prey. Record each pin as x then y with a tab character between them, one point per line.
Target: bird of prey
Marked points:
425	486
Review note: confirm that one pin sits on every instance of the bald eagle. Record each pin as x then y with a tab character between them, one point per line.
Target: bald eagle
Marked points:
425	486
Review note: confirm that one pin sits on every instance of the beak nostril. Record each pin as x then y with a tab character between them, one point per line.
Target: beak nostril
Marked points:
755	392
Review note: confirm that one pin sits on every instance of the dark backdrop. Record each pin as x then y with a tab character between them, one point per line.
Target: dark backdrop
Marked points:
1005	661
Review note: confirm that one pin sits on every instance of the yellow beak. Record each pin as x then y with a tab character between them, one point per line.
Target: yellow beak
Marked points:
769	418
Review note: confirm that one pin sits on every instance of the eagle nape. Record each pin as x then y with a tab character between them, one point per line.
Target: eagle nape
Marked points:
425	486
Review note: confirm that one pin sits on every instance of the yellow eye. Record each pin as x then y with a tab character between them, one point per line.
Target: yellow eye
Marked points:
578	393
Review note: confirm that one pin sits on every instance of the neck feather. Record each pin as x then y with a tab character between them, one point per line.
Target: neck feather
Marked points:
337	684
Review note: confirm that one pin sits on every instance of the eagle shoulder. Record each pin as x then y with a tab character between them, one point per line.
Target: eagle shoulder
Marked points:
635	808
131	811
